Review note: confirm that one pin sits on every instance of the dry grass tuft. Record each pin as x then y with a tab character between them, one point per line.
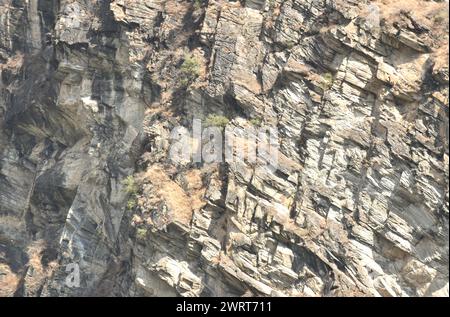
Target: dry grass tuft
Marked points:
181	203
14	63
431	15
8	281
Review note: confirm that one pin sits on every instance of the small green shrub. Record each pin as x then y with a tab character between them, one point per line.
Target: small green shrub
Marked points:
257	122
327	81
290	44
131	186
190	69
141	234
131	204
197	4
214	120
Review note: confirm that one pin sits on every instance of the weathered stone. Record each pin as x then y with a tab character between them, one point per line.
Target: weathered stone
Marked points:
91	90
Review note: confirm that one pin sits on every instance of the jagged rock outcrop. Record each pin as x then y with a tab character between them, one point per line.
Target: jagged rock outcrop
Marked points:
91	90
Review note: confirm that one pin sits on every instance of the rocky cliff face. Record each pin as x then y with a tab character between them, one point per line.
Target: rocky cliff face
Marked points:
91	90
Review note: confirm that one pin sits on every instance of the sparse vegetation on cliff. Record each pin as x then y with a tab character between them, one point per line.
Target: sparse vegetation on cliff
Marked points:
197	4
141	234
429	20
257	122
326	81
214	120
190	69
131	186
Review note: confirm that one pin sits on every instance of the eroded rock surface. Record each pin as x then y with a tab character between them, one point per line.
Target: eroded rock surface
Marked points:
91	90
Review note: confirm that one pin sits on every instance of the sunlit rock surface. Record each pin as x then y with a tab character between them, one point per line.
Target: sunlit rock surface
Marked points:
91	90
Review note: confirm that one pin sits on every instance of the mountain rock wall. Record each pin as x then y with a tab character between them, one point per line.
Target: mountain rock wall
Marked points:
90	92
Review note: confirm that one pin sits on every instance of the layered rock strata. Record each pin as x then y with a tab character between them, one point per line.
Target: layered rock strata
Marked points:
91	90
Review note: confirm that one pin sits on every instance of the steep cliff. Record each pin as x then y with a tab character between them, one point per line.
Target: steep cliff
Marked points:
91	91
